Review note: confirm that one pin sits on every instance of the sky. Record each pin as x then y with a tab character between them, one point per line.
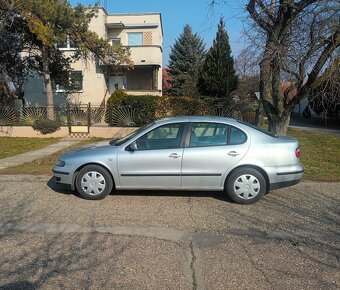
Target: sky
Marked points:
176	13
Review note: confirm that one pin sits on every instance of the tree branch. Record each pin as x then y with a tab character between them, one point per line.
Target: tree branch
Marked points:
303	90
257	17
334	42
299	6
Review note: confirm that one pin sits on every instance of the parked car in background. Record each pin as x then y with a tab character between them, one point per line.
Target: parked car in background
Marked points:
186	153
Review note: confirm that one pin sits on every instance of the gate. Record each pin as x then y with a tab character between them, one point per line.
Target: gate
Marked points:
79	118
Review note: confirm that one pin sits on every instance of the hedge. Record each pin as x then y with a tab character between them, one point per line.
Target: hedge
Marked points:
46	126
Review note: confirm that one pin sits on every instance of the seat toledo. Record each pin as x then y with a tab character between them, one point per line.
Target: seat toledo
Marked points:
185	153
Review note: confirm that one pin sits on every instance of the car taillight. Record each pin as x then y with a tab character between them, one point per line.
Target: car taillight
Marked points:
297	152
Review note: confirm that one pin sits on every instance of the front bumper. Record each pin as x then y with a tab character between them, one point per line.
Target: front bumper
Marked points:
63	177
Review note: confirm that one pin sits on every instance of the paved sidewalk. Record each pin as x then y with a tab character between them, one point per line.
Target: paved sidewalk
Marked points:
36	154
333	132
298	125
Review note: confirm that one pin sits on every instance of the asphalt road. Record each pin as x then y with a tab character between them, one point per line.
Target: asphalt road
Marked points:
52	239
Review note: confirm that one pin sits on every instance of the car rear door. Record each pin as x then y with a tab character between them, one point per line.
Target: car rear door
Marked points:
156	163
213	148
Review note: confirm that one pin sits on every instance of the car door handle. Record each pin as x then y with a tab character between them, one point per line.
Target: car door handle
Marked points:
174	155
233	153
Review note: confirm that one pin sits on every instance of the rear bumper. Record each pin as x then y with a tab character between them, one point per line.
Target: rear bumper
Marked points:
284	176
283	184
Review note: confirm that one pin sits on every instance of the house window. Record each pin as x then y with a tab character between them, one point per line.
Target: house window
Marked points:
135	38
66	44
74	83
62	43
115	42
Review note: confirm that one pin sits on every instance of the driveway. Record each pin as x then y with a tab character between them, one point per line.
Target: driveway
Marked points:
50	238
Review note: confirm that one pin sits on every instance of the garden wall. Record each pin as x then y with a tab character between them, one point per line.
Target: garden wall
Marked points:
27	131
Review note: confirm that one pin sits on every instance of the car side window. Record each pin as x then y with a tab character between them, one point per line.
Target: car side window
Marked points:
164	137
237	136
208	134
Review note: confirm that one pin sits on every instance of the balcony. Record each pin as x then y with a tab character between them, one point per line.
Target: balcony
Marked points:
146	55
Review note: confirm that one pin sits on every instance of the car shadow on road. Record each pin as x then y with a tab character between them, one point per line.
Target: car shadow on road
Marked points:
59	188
213	194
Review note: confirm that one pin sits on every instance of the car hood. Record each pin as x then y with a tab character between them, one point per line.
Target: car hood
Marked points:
86	149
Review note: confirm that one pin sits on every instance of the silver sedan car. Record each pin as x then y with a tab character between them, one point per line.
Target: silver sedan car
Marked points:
185	153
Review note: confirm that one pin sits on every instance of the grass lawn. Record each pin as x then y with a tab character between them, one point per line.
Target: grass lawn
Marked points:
320	155
44	165
10	146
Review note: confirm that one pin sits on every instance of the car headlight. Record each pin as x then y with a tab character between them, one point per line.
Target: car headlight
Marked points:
60	163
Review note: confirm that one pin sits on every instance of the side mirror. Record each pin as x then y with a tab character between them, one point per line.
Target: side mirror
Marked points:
113	142
133	146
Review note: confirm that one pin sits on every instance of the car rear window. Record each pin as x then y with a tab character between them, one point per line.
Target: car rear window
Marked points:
259	129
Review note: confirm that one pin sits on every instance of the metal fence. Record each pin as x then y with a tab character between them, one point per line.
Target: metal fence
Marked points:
27	115
97	115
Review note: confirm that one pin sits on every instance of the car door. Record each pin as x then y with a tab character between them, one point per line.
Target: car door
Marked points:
157	161
213	148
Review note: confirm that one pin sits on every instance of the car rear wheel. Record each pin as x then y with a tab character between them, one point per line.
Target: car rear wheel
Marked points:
94	182
246	185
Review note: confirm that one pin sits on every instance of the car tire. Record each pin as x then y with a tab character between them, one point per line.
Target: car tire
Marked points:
94	182
246	186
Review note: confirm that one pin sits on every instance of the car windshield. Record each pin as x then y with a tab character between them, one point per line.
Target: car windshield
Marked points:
259	129
130	136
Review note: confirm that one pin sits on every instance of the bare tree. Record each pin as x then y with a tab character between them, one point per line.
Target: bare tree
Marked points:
246	63
325	99
301	37
298	40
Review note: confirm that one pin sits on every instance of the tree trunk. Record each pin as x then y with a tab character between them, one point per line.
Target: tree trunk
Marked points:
258	114
278	114
48	84
279	126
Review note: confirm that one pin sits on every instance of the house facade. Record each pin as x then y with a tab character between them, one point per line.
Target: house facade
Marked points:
141	32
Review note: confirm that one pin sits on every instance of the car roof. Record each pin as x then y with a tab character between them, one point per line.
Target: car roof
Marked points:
195	119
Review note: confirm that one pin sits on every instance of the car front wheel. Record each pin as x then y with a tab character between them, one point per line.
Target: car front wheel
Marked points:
246	186
94	182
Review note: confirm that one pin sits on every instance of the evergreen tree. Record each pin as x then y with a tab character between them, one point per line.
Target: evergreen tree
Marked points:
186	57
217	77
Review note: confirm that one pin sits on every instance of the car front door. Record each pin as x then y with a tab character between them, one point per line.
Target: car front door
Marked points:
212	149
157	161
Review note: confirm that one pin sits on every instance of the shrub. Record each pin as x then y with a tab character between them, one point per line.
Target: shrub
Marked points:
26	121
144	108
116	98
46	126
17	122
181	106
